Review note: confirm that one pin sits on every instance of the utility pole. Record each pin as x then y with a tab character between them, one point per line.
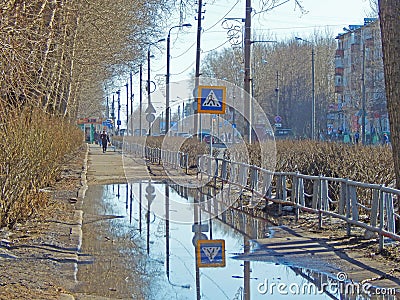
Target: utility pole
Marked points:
107	109
363	139
167	88
127	108
140	98
148	86
131	82
247	71
113	111
197	116
313	123
119	111
277	93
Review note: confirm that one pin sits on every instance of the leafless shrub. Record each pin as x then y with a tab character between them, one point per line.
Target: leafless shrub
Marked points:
34	145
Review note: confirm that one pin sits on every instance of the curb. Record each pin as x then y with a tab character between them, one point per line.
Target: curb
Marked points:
76	228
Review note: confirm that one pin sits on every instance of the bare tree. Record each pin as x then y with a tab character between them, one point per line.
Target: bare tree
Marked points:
389	11
286	64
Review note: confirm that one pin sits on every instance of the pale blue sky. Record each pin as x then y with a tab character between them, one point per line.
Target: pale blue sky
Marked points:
281	23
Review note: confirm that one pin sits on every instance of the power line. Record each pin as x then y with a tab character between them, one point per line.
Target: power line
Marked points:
216	47
223	17
184	70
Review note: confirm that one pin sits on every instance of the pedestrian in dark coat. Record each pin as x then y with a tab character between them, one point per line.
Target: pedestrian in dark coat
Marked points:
104	140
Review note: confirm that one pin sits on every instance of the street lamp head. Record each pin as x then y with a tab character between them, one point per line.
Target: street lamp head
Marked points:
186	25
160	40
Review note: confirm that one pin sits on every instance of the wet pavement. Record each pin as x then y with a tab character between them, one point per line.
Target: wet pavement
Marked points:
133	254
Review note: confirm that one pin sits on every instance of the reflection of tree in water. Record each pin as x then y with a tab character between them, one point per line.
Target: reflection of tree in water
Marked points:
120	267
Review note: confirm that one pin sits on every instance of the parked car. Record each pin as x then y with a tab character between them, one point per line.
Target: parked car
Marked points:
206	138
184	134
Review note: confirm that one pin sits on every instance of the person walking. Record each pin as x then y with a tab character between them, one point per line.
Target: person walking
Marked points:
356	137
104	140
385	139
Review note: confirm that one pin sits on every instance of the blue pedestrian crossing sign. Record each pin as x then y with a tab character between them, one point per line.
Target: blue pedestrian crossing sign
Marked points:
212	99
210	253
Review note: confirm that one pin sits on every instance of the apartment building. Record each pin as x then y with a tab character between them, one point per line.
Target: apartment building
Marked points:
359	84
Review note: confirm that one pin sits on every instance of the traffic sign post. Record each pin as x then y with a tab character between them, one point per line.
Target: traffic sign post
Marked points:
212	99
210	253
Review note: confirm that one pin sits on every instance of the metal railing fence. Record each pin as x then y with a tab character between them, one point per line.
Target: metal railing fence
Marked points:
369	206
174	159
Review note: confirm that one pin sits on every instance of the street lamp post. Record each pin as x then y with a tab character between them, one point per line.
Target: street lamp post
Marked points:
140	98
127	108
313	133
167	108
150	109
277	93
113	111
250	121
119	110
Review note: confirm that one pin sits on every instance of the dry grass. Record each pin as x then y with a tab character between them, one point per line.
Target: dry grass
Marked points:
34	145
371	164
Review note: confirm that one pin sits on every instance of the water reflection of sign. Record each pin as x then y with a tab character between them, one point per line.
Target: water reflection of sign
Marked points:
210	253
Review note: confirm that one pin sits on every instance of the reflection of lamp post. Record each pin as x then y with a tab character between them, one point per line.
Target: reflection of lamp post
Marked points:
313	136
150	108
167	108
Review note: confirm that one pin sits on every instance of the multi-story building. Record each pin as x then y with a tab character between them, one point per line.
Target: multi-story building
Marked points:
359	83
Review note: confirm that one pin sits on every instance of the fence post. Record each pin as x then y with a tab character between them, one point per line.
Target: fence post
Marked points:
342	197
302	201
320	201
296	193
224	171
389	213
284	193
315	193
348	207
374	208
186	162
216	172
354	204
381	220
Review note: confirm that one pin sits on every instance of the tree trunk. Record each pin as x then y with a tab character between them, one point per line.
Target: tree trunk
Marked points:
389	12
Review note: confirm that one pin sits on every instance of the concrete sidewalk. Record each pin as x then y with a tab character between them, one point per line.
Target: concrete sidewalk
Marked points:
113	167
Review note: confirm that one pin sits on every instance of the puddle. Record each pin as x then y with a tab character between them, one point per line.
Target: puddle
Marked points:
140	255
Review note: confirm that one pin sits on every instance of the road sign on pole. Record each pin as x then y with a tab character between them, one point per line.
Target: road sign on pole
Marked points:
210	253
212	99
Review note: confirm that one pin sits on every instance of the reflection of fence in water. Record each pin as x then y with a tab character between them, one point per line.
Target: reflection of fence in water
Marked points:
247	223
